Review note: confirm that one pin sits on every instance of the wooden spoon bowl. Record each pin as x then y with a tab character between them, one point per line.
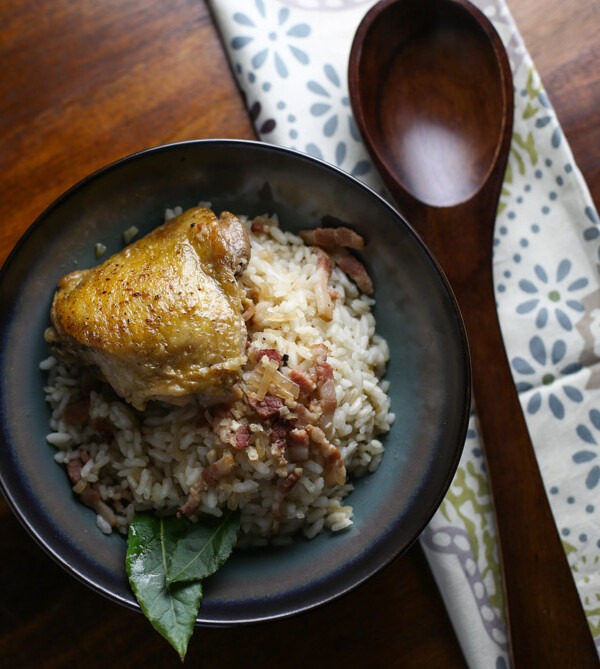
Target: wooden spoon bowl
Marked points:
431	90
426	110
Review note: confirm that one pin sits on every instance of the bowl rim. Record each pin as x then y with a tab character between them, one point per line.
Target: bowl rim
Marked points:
59	556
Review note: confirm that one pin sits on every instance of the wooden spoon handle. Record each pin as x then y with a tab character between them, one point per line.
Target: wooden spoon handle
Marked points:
546	621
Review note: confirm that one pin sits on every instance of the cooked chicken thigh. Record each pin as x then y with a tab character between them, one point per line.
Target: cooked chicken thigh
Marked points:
162	319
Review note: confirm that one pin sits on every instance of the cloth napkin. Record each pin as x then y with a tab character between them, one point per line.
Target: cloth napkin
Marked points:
290	58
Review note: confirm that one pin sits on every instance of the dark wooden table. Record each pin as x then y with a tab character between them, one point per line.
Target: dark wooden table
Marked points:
83	83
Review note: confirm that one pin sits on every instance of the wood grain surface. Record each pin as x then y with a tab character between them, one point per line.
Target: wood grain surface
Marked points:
83	83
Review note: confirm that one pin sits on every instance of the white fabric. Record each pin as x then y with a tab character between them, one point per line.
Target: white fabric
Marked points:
290	59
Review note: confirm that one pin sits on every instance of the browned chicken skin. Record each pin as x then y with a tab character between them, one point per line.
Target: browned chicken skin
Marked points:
162	319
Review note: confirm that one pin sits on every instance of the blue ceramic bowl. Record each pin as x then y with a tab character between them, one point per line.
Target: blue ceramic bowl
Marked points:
416	312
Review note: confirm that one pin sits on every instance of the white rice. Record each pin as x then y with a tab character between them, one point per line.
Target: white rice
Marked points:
150	460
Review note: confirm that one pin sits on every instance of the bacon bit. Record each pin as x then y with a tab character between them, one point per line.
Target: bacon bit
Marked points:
268	407
121	500
320	352
354	268
298	442
258	227
325	388
303	380
283	488
242	437
290	480
324	371
211	474
262	224
91	497
304	416
271	354
77	412
332	237
278	439
74	470
334	470
324	301
337	241
222	426
324	263
192	503
298	436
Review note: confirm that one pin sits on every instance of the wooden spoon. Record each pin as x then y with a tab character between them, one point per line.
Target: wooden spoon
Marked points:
432	94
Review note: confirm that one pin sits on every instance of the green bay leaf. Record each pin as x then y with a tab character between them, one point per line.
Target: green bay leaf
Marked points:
171	608
205	548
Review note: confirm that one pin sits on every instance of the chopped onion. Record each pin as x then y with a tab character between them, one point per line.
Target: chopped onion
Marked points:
284	387
268	369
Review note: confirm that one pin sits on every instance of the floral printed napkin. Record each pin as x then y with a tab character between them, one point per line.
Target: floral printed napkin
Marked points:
290	58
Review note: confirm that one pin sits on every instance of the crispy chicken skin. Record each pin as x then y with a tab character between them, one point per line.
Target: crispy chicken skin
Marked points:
162	319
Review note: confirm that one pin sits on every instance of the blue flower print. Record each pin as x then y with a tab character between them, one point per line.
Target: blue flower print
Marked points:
331	99
593	231
333	104
587	455
282	37
546	367
263	126
552	293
